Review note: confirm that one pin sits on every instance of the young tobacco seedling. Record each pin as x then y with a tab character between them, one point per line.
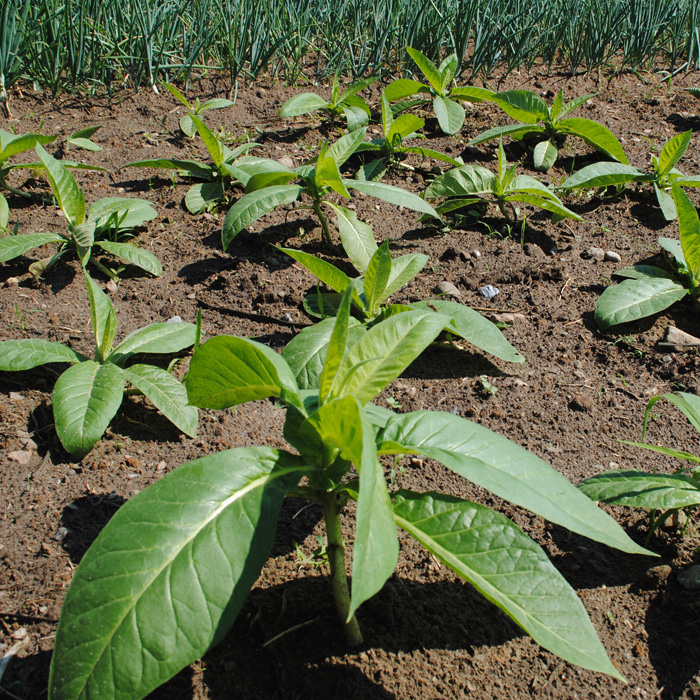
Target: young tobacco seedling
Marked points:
99	230
657	492
347	102
446	99
649	289
166	578
471	184
390	148
306	352
227	166
186	124
663	175
320	179
89	393
548	125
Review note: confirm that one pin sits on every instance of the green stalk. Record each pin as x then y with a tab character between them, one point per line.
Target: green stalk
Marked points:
325	228
336	558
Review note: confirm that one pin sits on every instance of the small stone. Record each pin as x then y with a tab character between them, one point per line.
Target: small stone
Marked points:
532	250
508	318
14	396
593	253
667	359
11	281
27	443
161	465
488	291
286	161
612	256
690	578
174	319
675	521
288	317
192	296
680	340
581	402
111	286
476	254
61	534
448	289
20	633
658	574
20	456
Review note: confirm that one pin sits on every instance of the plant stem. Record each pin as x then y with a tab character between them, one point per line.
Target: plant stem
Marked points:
336	558
324	223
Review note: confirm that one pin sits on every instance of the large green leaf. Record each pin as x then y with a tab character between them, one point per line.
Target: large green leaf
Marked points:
306	352
447	69
345	146
167	576
129	213
226	371
605	174
393	195
166	394
132	254
215	147
595	135
471	93
251	207
467	180
666	203
377	277
17	355
629	487
385	351
687	404
398	89
545	155
472	326
302	104
158	338
504	468
65	188
356	236
189	167
328	175
85	399
633	299
337	346
403	270
689	228
522	105
427	67
203	196
507	568
450	114
673	151
498	132
4	212
104	320
404	126
328	274
12	144
12	247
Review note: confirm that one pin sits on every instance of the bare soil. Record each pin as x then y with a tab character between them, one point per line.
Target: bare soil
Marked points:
428	635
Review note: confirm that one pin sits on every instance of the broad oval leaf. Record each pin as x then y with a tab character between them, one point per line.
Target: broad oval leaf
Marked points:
427	67
398	89
507	568
356	236
633	299
302	104
158	338
204	196
459	182
251	207
603	175
345	146
450	114
545	155
504	468
377	277
11	144
328	274
522	105
129	213
392	195
403	270
4	212
85	399
217	150
629	487
18	355
65	188
167	576
473	327
103	317
471	93
689	229
132	254
192	168
404	125
166	394
226	371
673	151
12	247
498	132
595	135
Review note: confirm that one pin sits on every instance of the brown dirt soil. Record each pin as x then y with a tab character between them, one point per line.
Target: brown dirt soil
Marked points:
428	635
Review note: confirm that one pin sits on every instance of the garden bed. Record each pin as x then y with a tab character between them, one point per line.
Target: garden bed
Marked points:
579	392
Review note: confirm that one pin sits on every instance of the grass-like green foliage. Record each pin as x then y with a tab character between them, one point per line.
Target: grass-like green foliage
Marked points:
227	166
695	92
194	109
390	148
548	126
320	179
445	98
471	184
166	578
663	174
306	352
346	102
89	393
656	492
649	289
96	231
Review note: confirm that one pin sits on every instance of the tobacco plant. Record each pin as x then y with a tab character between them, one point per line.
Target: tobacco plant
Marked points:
648	289
472	184
166	578
186	124
446	99
89	393
347	102
385	276
227	166
98	230
320	180
548	125
656	492
663	174
390	148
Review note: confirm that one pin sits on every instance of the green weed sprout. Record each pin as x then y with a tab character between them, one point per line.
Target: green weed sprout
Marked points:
194	109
